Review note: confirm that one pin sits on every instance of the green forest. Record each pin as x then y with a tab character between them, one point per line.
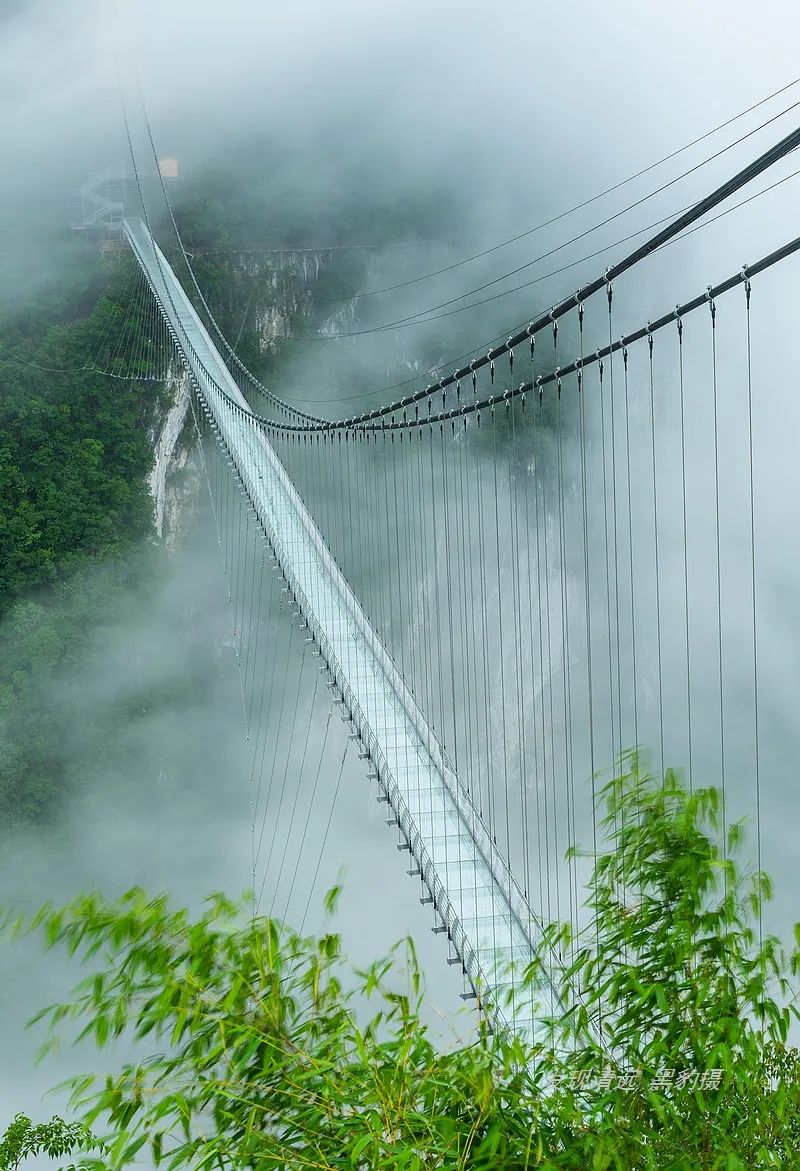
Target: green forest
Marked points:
76	517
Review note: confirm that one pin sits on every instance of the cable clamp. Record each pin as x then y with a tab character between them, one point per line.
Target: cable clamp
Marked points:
609	288
711	304
746	281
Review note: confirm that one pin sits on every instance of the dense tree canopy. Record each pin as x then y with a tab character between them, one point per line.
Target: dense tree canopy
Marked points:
74	449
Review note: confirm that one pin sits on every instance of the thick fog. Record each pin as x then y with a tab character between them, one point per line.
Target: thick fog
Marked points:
510	117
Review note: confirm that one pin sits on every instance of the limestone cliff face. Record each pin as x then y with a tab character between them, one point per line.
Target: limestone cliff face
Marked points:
172	446
282	286
260	295
266	292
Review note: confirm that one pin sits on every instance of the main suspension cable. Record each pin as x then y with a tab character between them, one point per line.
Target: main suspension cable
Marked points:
575	208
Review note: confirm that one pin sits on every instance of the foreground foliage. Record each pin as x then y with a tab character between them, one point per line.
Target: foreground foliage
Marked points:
24	1139
257	1056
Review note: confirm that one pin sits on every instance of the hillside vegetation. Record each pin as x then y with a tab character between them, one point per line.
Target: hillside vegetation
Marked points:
76	531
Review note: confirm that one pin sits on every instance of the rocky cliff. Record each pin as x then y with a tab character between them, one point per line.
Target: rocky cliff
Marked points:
266	293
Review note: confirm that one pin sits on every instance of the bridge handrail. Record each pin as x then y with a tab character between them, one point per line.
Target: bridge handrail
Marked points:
415	722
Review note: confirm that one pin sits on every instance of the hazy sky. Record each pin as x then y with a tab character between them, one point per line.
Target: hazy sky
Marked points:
556	100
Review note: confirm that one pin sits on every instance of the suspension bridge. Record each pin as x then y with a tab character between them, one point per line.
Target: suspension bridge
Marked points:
484	572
